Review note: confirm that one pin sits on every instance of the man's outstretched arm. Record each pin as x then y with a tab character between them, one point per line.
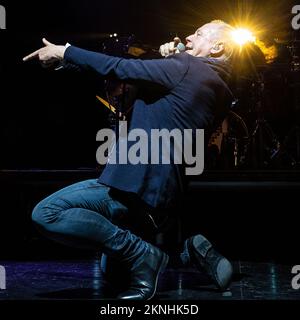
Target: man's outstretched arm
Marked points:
167	72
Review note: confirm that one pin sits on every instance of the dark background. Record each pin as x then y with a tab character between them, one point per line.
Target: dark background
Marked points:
49	121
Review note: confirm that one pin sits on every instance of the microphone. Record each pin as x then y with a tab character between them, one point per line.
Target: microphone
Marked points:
180	47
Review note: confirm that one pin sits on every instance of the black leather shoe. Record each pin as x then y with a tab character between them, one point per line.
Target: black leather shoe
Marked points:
205	257
144	276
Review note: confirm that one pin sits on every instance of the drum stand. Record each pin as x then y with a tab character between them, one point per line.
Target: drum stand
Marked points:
290	149
263	141
291	144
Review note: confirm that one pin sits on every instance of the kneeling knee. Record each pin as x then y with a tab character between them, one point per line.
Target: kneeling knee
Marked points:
37	214
43	215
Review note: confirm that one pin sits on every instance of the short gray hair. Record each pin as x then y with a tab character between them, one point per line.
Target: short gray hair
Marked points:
224	35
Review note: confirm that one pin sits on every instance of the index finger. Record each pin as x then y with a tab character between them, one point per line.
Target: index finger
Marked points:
32	55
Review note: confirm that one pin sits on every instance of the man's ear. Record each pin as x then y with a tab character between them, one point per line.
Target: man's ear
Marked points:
217	50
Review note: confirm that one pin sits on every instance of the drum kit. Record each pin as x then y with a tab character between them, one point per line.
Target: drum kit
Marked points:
262	130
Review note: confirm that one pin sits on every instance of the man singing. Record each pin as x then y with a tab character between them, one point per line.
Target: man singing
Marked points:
92	214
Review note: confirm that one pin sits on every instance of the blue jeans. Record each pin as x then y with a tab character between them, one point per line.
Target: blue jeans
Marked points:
85	215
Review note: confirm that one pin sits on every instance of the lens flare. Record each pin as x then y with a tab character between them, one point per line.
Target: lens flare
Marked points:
242	36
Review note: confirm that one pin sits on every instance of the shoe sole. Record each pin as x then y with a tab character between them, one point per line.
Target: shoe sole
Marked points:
162	267
196	243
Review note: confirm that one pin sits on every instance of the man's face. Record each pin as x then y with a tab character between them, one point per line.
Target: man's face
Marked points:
200	43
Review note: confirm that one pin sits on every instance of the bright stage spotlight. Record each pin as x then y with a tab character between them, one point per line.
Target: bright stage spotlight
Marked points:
242	36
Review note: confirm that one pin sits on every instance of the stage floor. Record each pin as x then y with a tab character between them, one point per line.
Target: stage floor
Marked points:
58	280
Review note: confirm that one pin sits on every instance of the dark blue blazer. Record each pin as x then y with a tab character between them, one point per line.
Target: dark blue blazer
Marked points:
196	93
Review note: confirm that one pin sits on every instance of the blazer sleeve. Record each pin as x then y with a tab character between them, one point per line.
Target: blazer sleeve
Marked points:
167	72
